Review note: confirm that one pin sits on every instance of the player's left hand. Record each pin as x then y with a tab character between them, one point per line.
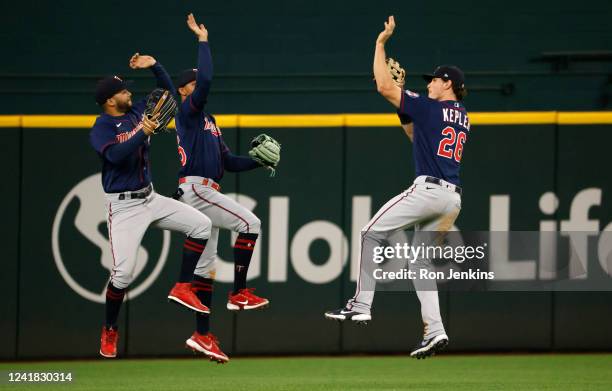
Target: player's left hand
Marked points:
198	29
387	32
265	151
149	125
140	61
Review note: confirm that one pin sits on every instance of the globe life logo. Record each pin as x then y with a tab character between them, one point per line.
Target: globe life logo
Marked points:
295	251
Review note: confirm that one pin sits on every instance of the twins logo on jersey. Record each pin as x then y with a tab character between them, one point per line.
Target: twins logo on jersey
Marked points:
123	137
210	125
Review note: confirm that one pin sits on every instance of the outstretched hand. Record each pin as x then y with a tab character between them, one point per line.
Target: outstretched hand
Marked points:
198	29
387	32
139	61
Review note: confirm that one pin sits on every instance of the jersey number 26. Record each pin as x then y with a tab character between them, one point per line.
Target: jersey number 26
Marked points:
452	145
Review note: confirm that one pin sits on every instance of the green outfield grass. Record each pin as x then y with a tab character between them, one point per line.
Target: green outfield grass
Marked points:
450	372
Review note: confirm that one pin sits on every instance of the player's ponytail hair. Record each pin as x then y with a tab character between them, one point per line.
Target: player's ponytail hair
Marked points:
459	91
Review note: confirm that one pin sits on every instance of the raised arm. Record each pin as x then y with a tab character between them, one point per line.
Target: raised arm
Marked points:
384	84
205	67
140	61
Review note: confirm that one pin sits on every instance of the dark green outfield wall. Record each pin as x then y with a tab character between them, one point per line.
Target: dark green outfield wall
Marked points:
315	187
306	56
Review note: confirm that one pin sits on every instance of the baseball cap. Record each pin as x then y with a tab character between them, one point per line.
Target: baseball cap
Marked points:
186	76
108	87
447	72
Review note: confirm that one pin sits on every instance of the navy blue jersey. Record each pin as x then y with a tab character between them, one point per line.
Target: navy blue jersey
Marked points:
132	172
202	150
201	145
122	145
440	132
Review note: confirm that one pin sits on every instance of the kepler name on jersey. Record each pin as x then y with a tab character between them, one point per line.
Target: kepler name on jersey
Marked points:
456	116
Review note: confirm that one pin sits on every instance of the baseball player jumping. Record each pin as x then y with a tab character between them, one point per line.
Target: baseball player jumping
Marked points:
438	126
204	156
121	137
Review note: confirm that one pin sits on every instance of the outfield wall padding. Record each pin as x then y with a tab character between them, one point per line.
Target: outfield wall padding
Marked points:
328	177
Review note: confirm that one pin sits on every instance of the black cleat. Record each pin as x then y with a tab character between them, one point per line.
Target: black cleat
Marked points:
429	347
343	314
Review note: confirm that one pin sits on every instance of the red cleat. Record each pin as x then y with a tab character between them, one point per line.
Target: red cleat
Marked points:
108	342
245	299
208	345
181	293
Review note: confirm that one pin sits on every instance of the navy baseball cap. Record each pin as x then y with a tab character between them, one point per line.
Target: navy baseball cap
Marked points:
108	87
186	76
448	72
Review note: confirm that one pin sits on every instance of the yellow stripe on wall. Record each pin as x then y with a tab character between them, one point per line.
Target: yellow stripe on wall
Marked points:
329	120
514	118
58	121
10	121
291	121
578	118
225	120
368	120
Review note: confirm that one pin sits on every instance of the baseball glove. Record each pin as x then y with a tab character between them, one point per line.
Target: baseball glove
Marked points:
161	101
265	151
397	72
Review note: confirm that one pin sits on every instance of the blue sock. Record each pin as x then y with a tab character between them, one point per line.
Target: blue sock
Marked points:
114	299
243	252
192	249
203	288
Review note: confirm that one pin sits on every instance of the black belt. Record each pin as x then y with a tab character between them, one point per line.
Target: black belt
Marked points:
438	181
137	194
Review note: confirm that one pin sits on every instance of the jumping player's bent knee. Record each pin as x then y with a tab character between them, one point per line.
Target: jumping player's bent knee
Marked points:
255	225
202	229
251	224
121	281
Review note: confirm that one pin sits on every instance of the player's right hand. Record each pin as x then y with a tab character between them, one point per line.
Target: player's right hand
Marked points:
199	30
140	61
387	32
